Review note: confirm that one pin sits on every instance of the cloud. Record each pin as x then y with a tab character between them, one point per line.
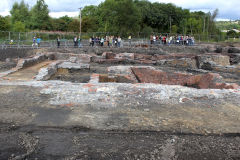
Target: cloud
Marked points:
228	9
61	14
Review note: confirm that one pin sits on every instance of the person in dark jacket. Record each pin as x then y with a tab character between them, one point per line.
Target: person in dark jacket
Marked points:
58	42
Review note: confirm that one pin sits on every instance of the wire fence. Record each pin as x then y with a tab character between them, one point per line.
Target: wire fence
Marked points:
48	39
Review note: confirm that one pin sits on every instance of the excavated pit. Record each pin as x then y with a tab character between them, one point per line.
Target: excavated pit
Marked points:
141	74
121	102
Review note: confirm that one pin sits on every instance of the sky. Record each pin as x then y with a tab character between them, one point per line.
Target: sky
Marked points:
228	9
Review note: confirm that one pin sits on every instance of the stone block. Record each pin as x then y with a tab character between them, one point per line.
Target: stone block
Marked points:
180	63
129	56
84	58
202	60
76	66
73	59
233	50
209	80
147	75
31	61
108	55
97	59
235	58
46	73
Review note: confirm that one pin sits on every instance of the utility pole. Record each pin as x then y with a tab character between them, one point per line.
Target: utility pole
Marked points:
204	18
80	25
170	19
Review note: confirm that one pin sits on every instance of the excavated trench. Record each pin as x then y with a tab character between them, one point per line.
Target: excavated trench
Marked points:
140	74
104	119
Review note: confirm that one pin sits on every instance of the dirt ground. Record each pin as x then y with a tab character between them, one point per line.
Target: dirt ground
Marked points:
30	142
5	66
31	128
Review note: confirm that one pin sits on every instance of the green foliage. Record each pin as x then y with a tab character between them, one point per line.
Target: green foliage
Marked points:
40	16
232	33
4	24
73	26
19	27
118	17
174	29
20	13
60	24
228	25
89	24
147	31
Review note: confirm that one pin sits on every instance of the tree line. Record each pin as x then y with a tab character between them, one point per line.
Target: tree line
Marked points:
122	17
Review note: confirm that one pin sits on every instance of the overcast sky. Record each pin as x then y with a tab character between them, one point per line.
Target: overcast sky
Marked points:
228	9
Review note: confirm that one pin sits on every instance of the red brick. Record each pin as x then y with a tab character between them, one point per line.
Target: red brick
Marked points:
210	80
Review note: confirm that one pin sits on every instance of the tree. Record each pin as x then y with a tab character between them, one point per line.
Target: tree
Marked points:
40	16
73	26
147	31
119	17
90	19
232	33
19	27
4	24
89	24
212	24
90	11
20	12
60	24
174	29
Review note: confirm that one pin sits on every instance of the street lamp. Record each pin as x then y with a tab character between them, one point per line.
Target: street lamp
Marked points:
80	25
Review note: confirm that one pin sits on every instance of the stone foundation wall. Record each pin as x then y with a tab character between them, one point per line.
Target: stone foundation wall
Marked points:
204	81
15	53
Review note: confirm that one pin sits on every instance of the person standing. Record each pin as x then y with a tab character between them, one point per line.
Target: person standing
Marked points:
90	41
130	40
93	41
119	40
79	42
38	41
75	41
116	41
110	41
151	39
58	42
34	41
154	39
102	41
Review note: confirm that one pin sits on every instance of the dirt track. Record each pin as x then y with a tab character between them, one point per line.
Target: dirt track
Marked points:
28	73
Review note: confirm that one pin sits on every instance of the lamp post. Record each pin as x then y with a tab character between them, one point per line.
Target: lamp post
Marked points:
80	25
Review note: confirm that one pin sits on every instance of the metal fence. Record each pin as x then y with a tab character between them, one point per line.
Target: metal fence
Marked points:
25	39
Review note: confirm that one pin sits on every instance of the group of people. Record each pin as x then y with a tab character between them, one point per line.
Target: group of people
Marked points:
178	40
116	41
109	41
36	41
76	42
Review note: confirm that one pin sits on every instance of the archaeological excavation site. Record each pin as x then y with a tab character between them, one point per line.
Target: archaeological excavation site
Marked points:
141	102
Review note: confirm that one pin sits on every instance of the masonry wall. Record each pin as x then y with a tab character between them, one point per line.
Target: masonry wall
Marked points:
15	53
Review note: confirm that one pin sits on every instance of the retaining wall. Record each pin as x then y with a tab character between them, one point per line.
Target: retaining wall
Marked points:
15	53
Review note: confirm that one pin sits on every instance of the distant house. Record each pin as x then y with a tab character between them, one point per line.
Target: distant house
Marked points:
236	30
224	31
